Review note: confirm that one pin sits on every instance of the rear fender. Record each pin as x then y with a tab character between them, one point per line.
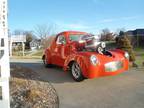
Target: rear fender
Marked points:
48	56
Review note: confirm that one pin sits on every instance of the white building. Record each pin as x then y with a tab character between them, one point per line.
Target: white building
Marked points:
35	44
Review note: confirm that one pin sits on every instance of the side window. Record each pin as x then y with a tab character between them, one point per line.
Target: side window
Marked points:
61	40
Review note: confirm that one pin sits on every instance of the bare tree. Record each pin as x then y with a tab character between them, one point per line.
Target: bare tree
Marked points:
106	35
43	31
29	37
120	29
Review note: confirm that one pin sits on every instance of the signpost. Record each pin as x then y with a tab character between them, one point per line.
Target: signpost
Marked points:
4	57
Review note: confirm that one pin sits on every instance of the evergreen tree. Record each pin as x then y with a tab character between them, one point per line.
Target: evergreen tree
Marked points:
124	44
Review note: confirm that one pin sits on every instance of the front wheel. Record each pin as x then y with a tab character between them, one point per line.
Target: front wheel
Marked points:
76	72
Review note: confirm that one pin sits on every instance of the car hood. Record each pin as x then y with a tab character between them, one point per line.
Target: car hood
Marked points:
105	58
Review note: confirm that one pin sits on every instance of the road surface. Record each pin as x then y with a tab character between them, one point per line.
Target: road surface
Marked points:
125	90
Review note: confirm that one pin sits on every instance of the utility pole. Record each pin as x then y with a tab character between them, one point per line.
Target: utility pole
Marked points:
4	56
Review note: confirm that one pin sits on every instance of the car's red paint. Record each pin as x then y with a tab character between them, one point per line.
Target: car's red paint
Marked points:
65	54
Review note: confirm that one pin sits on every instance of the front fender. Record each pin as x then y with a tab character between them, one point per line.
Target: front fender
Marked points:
80	59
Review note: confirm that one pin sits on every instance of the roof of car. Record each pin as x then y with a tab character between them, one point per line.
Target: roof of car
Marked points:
73	32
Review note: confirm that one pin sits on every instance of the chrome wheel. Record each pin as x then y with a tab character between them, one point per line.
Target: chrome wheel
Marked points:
76	72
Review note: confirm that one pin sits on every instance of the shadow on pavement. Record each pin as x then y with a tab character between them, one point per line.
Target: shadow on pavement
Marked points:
36	71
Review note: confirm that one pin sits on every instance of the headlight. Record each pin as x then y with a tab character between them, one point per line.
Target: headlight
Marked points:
126	55
94	60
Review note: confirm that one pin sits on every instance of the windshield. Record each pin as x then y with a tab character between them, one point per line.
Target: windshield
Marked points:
75	37
78	37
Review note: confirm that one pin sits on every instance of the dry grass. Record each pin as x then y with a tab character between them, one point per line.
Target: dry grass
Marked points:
33	94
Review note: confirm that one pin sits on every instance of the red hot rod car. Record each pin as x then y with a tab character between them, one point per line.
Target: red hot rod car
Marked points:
84	56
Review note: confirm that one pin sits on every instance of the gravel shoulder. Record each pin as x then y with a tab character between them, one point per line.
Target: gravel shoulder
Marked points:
28	91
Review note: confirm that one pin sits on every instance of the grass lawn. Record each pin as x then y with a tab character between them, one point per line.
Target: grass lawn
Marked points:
28	55
139	52
139	60
38	53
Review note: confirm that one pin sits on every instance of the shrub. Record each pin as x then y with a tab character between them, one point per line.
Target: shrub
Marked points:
124	44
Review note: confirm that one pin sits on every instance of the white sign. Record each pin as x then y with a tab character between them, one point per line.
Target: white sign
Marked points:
18	38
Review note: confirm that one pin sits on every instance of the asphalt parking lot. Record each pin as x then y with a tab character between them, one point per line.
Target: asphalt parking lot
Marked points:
125	90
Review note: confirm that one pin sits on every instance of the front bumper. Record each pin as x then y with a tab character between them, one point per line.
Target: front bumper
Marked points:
107	69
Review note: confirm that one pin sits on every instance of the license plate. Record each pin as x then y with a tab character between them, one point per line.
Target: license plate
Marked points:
113	66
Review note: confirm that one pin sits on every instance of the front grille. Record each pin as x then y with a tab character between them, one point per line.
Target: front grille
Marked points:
113	66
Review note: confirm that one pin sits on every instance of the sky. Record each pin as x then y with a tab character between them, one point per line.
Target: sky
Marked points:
82	15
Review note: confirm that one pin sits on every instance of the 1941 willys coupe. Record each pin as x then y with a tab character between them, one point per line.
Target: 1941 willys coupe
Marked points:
84	56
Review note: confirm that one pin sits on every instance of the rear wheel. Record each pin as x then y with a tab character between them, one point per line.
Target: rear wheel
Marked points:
76	72
45	62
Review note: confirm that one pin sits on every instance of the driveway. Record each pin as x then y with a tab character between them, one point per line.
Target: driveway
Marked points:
125	90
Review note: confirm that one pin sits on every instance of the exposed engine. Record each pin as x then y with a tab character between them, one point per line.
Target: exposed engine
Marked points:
92	43
96	46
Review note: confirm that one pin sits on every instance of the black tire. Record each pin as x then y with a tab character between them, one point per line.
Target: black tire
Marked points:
76	72
45	62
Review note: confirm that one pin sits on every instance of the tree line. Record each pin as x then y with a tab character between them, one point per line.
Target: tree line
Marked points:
43	32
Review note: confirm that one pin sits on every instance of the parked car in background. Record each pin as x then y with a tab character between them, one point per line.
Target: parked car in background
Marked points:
84	56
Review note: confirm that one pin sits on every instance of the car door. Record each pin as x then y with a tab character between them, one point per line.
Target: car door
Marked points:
59	50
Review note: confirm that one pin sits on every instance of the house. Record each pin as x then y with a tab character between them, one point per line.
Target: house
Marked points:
136	37
35	44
